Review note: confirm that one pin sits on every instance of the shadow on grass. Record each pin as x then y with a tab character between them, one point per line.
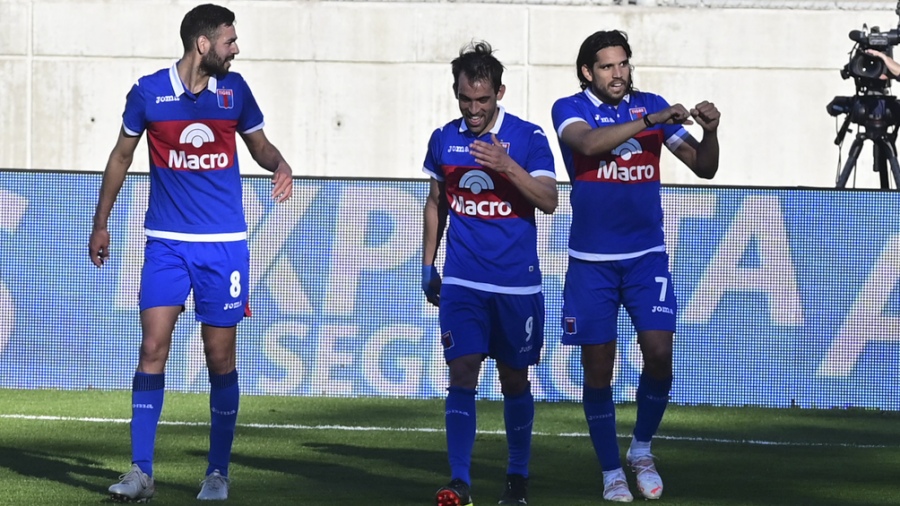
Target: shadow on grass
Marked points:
58	468
75	472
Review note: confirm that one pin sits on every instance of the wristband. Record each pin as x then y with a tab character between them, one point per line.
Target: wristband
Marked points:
648	122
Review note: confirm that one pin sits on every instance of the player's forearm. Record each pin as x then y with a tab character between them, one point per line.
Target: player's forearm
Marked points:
708	156
540	192
598	141
432	230
269	158
113	178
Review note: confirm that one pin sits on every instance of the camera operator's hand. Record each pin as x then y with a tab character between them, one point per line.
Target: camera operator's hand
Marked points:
673	115
892	66
706	115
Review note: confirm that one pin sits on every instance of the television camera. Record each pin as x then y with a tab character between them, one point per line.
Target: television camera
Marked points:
872	108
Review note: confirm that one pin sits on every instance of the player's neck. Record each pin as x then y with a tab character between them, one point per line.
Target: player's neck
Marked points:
195	80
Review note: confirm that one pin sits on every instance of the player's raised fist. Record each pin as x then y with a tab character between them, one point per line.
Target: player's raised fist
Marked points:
707	115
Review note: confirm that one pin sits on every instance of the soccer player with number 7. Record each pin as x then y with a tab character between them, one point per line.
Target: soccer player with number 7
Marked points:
611	136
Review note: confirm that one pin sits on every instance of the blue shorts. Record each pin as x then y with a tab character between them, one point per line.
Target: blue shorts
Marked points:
595	290
509	328
218	272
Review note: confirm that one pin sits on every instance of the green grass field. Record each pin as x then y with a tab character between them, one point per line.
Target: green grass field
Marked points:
67	447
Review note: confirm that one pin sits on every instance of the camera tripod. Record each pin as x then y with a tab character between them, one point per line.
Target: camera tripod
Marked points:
877	115
884	152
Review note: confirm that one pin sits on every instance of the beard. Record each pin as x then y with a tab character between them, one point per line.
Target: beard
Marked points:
212	65
613	97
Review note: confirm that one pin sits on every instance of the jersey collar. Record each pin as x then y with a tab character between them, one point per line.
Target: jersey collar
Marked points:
597	102
497	124
178	86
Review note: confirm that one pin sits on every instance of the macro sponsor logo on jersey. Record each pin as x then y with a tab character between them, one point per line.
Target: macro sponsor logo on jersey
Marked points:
634	161
473	195
482	193
193	145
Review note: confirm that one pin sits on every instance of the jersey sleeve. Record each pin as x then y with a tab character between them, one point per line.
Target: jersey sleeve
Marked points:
134	119
565	112
540	158
673	135
432	165
251	118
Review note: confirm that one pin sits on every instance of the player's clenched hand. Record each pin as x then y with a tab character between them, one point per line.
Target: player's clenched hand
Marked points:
673	115
707	115
282	183
492	154
98	246
431	284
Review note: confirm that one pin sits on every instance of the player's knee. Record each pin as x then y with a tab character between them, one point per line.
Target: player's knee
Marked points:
154	350
464	371
658	363
220	361
598	378
598	372
513	382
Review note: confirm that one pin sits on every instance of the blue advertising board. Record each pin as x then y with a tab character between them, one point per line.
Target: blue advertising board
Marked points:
787	297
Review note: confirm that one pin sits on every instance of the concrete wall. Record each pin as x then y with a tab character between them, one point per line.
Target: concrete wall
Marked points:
355	88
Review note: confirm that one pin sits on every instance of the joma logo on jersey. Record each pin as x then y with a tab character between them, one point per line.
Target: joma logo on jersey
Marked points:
197	134
232	305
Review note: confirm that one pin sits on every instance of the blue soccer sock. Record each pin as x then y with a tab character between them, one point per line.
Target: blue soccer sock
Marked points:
518	413
147	393
224	399
600	412
460	419
652	399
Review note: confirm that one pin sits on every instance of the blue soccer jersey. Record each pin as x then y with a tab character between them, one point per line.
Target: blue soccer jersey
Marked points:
616	205
491	236
195	181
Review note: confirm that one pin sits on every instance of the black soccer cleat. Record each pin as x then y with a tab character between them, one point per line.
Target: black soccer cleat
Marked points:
455	493
516	492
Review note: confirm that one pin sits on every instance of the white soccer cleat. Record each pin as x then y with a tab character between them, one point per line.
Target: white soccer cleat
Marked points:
214	487
615	487
133	486
648	481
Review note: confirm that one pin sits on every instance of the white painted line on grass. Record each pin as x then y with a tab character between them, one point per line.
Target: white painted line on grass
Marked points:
350	428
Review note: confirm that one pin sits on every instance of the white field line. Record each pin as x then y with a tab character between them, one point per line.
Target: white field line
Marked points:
350	428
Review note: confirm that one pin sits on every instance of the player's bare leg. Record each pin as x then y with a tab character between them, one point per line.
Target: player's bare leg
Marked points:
148	387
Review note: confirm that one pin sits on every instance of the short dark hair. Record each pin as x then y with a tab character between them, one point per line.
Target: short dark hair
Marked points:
477	60
587	55
204	20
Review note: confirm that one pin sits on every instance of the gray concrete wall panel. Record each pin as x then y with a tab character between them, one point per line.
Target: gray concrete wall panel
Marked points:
354	88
